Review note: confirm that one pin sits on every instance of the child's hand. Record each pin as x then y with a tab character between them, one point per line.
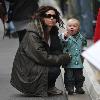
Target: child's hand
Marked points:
65	35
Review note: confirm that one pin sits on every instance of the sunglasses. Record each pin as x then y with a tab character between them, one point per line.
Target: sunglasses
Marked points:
49	16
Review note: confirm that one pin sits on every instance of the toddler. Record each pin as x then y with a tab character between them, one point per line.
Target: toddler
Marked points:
73	43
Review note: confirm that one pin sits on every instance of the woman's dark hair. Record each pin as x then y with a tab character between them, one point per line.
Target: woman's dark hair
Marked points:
43	9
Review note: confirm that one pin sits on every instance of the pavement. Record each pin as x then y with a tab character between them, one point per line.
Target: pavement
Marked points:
8	49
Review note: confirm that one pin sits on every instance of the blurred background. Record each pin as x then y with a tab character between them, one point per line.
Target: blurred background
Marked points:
84	10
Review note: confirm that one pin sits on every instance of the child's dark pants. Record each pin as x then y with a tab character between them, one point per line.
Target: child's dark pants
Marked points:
73	77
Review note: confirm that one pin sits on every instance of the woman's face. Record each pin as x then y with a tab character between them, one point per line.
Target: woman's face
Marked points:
50	18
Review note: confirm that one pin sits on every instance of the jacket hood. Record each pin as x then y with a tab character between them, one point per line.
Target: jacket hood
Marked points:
35	26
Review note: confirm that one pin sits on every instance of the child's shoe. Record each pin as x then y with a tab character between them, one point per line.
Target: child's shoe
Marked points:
79	91
70	92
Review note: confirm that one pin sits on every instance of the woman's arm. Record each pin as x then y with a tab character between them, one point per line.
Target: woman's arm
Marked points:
37	50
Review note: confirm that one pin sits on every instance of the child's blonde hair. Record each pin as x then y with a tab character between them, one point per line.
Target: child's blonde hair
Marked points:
74	20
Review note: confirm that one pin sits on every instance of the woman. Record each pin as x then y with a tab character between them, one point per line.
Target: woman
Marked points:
37	62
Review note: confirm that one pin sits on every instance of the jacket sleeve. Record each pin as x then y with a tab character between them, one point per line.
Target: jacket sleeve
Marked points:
36	50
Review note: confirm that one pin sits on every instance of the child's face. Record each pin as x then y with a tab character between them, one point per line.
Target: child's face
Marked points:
73	27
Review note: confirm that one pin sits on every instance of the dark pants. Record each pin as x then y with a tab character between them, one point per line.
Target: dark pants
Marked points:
21	35
53	74
73	77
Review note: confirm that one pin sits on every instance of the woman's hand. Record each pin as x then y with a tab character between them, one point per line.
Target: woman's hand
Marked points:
66	58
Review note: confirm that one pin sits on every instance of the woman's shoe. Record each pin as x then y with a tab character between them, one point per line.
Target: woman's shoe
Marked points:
54	91
70	91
